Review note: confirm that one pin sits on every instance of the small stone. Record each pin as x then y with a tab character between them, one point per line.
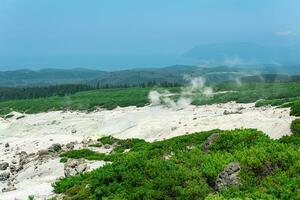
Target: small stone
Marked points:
6	145
23	155
31	154
12	168
23	158
107	146
4	176
85	141
70	145
173	128
4	165
10	187
20	168
74	131
54	148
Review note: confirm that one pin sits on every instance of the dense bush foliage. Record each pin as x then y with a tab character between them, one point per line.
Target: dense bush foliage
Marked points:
178	168
247	93
295	138
90	100
41	92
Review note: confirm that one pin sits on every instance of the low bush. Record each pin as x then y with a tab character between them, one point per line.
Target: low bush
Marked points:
178	168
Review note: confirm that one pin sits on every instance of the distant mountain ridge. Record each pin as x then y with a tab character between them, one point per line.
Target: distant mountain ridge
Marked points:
170	74
241	53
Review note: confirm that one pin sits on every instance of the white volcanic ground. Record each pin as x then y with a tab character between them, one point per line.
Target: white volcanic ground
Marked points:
39	131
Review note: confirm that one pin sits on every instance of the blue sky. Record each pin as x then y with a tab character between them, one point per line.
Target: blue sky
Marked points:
116	34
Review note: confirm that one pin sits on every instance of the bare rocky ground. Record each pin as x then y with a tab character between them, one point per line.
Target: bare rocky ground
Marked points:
30	144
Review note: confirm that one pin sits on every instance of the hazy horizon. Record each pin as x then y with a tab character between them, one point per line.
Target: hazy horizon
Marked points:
113	35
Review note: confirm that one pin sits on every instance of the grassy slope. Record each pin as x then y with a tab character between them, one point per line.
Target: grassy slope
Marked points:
111	98
106	98
190	173
247	93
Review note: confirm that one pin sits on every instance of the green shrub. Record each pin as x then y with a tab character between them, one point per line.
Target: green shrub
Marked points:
108	140
295	138
295	127
295	109
63	160
177	168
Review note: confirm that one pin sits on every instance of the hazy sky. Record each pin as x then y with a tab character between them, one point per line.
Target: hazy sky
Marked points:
114	34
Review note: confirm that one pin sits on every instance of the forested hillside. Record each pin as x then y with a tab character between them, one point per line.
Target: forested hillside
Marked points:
136	77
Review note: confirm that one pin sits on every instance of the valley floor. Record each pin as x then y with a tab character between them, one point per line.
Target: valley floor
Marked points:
31	133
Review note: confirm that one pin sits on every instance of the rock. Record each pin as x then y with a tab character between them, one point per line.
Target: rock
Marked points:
4	165
126	150
14	161
81	167
23	158
23	155
43	153
74	167
31	155
74	131
20	117
228	177
9	116
107	146
54	148
6	145
19	168
12	168
10	187
70	145
226	112
85	141
4	176
209	141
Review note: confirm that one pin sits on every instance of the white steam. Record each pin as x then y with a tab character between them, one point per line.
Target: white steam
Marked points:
195	85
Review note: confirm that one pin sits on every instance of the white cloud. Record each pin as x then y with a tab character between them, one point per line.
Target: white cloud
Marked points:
285	33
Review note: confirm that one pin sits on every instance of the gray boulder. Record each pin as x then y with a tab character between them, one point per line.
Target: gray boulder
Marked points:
209	141
23	158
12	168
10	187
74	167
43	153
228	177
70	145
4	165
4	176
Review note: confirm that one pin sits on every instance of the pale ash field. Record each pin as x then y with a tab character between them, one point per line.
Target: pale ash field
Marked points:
35	132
